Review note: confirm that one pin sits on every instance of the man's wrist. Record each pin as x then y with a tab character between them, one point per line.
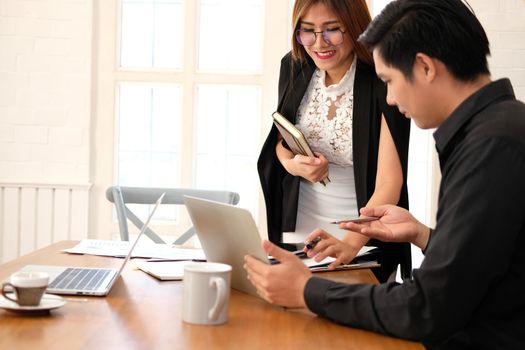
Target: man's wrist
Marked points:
303	291
314	294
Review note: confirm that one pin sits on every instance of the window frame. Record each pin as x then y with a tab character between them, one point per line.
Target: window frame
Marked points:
107	75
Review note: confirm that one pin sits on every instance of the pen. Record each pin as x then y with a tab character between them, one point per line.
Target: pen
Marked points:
313	243
357	220
300	254
325	181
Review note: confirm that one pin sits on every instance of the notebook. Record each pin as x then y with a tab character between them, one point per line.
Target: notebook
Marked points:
87	280
294	138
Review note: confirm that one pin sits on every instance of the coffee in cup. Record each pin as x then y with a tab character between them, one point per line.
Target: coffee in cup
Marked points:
206	293
28	287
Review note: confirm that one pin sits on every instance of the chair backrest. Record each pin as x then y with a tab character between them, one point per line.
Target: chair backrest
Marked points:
145	195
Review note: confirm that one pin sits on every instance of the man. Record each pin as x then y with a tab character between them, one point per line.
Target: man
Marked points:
470	289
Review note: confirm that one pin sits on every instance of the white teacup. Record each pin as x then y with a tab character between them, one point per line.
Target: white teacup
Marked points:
206	293
29	287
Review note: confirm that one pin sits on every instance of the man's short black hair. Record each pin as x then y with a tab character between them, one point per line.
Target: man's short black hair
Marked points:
446	30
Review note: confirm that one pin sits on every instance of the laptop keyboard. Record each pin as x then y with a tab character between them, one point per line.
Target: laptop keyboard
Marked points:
79	278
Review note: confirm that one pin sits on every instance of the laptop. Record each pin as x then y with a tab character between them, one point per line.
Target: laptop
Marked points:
227	233
87	280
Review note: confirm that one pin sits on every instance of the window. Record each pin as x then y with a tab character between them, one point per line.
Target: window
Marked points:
222	146
231	35
186	97
151	34
226	147
149	133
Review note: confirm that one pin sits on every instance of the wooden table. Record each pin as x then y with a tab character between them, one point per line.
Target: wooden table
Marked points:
144	313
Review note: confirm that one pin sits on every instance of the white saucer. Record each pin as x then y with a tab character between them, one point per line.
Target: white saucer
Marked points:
48	302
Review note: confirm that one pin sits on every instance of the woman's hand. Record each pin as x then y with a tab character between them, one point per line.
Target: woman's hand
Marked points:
313	169
330	246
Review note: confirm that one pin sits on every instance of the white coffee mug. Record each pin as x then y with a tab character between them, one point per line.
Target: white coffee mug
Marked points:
206	293
28	287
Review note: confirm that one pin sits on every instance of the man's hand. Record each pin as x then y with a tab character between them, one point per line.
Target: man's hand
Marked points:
395	225
280	284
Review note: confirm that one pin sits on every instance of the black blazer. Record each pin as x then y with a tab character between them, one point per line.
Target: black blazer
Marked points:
281	190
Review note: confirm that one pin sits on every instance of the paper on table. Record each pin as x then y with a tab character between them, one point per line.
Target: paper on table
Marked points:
351	266
121	249
310	262
165	270
322	265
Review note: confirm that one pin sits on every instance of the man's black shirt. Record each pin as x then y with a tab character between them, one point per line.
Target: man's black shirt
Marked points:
470	289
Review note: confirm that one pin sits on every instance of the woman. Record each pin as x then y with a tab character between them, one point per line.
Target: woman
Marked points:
328	88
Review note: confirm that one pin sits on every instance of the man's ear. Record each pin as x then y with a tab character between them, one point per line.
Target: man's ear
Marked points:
425	67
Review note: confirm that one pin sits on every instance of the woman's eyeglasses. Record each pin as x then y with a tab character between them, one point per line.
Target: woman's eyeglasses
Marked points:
307	37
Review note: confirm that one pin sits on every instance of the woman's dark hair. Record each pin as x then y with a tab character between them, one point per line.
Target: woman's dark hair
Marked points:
446	30
353	14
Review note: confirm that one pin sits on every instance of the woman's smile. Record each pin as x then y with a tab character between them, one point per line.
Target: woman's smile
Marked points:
323	55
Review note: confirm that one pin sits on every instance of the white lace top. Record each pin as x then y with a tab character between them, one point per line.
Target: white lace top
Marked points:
325	116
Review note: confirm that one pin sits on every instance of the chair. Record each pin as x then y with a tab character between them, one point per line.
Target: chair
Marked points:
122	196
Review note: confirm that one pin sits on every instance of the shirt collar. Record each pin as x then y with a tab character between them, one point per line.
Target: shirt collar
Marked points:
346	84
487	95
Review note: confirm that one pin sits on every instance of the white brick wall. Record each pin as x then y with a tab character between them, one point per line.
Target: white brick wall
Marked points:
504	21
45	90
